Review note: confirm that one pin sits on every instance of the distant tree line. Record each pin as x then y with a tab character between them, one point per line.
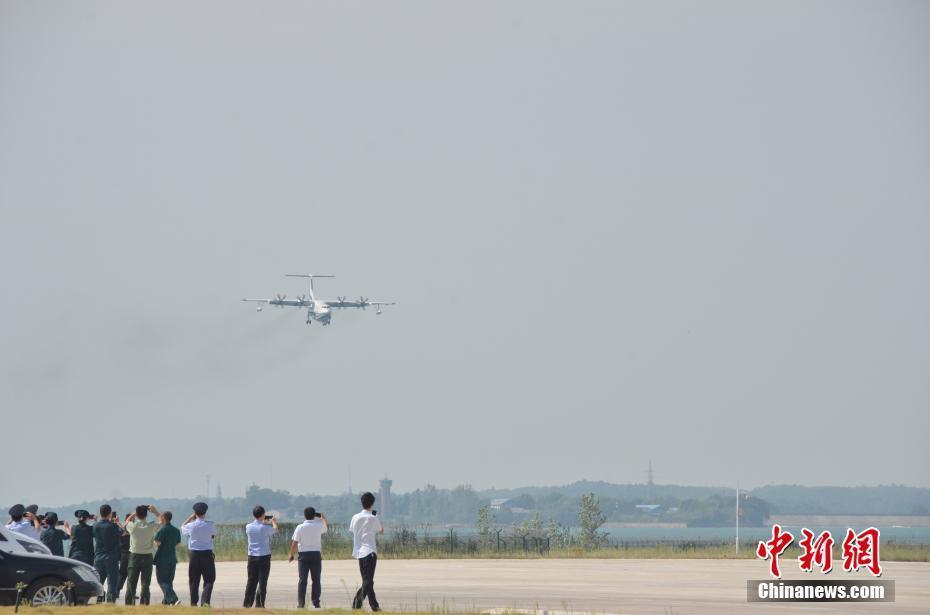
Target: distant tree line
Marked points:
557	507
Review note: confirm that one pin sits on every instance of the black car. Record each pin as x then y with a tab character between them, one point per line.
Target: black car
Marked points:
45	577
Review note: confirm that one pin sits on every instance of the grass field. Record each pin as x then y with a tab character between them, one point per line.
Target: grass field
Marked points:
889	552
116	609
230	545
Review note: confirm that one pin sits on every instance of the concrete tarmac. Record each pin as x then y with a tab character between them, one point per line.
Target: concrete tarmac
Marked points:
662	586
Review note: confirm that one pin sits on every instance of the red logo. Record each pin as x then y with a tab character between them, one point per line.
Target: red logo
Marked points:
819	551
774	548
861	550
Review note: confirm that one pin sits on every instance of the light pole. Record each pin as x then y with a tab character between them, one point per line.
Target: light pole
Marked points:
737	518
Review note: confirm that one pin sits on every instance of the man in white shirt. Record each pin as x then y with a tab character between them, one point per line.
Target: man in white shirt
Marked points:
365	526
308	542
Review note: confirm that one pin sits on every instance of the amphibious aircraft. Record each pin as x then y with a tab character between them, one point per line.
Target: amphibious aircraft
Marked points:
318	309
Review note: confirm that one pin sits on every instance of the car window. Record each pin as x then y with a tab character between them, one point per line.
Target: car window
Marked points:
31	547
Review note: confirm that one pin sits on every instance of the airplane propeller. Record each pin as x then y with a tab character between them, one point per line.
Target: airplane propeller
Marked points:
280	299
363	301
340	300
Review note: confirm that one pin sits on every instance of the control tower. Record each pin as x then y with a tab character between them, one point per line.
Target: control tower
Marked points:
384	494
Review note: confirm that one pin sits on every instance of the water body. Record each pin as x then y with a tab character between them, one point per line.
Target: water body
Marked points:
909	535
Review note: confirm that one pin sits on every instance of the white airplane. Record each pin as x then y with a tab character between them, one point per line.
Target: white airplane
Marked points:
318	309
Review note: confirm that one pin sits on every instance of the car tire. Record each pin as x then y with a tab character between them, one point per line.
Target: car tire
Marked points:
46	592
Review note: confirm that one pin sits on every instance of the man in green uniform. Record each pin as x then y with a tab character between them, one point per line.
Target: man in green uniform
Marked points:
166	557
82	539
106	552
52	537
141	547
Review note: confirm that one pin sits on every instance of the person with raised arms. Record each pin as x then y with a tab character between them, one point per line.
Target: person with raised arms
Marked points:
307	541
200	534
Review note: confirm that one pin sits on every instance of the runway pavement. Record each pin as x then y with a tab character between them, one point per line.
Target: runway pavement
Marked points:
577	585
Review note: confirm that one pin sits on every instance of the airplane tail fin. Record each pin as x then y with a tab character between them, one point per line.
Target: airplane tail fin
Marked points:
310	276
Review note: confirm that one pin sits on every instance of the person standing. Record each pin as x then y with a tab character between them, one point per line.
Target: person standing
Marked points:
141	547
23	521
82	539
123	553
259	534
200	534
166	558
308	542
54	538
107	552
365	526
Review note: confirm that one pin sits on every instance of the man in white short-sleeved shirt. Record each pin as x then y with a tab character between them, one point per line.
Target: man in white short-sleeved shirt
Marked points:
365	527
308	542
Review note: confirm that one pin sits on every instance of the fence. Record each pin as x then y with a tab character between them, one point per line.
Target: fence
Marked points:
426	541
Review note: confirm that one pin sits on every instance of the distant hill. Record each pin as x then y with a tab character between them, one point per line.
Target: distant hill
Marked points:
697	506
612	490
783	499
879	500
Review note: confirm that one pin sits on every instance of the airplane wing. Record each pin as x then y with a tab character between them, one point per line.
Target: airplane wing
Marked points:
297	303
362	303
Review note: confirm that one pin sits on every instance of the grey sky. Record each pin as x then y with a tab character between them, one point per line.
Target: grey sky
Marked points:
696	232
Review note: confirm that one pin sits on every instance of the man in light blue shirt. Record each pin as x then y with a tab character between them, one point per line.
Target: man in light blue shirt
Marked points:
200	533
259	533
23	521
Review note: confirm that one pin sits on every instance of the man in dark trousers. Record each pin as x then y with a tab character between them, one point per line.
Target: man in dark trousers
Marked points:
107	552
166	558
308	542
365	526
259	534
200	533
123	553
82	539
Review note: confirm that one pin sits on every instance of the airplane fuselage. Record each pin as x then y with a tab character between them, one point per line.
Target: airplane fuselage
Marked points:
316	310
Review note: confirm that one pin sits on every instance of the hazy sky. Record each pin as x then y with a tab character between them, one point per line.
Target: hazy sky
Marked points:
692	232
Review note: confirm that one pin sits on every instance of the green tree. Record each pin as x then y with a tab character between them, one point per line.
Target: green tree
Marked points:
557	534
590	518
484	525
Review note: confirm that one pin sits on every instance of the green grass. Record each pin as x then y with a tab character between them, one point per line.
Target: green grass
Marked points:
230	545
116	609
889	552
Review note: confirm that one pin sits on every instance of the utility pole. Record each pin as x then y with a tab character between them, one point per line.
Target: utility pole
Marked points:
649	482
737	518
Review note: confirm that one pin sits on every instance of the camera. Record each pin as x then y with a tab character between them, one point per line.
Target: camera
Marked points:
60	522
269	517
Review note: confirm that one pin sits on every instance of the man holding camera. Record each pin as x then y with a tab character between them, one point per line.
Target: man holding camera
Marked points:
141	547
365	526
200	534
23	521
259	534
107	552
308	542
52	537
82	538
